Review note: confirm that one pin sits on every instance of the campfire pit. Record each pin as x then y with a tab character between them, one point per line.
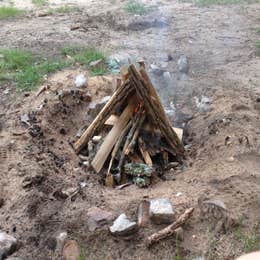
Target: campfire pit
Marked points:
141	140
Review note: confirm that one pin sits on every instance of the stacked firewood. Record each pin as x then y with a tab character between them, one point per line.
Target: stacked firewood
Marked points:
141	138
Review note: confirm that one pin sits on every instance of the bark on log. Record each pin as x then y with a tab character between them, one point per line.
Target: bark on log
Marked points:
121	94
153	105
169	230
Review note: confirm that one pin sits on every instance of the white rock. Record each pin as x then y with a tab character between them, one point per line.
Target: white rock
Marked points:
81	81
61	240
7	244
161	211
178	194
123	226
96	139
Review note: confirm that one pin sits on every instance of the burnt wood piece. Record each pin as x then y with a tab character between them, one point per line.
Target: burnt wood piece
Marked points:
153	106
132	143
117	99
169	230
135	124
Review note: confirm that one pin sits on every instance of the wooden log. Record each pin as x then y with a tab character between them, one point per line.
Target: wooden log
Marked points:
110	182
132	143
117	146
112	137
111	120
179	131
120	95
144	152
136	121
169	230
152	103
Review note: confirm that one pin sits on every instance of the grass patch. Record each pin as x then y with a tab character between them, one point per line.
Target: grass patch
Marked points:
257	30
135	7
250	242
257	45
40	2
84	56
25	69
10	11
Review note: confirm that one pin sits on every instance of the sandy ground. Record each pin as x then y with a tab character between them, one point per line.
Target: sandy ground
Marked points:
220	44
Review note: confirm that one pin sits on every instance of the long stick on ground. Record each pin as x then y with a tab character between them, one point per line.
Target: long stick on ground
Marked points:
169	230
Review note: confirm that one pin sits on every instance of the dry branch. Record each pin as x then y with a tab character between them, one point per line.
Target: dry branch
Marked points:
169	230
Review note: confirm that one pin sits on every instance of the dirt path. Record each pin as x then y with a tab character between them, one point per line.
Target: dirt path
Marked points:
219	42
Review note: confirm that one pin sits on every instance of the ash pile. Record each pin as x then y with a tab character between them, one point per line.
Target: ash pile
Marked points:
131	140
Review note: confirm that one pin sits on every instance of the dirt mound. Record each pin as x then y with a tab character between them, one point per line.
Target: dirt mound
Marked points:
222	161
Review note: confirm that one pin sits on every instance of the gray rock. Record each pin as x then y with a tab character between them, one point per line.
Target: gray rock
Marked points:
183	64
98	217
81	81
161	211
8	245
167	76
122	226
203	104
156	70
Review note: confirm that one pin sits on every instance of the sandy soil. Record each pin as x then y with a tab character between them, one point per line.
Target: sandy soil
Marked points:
220	44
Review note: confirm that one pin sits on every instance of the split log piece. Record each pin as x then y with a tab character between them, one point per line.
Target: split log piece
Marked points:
111	120
117	145
111	137
121	94
128	139
132	143
144	152
165	156
169	230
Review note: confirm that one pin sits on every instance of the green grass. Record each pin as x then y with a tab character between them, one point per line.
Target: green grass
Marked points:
257	45
25	69
257	30
84	56
10	11
135	7
249	241
40	2
28	71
